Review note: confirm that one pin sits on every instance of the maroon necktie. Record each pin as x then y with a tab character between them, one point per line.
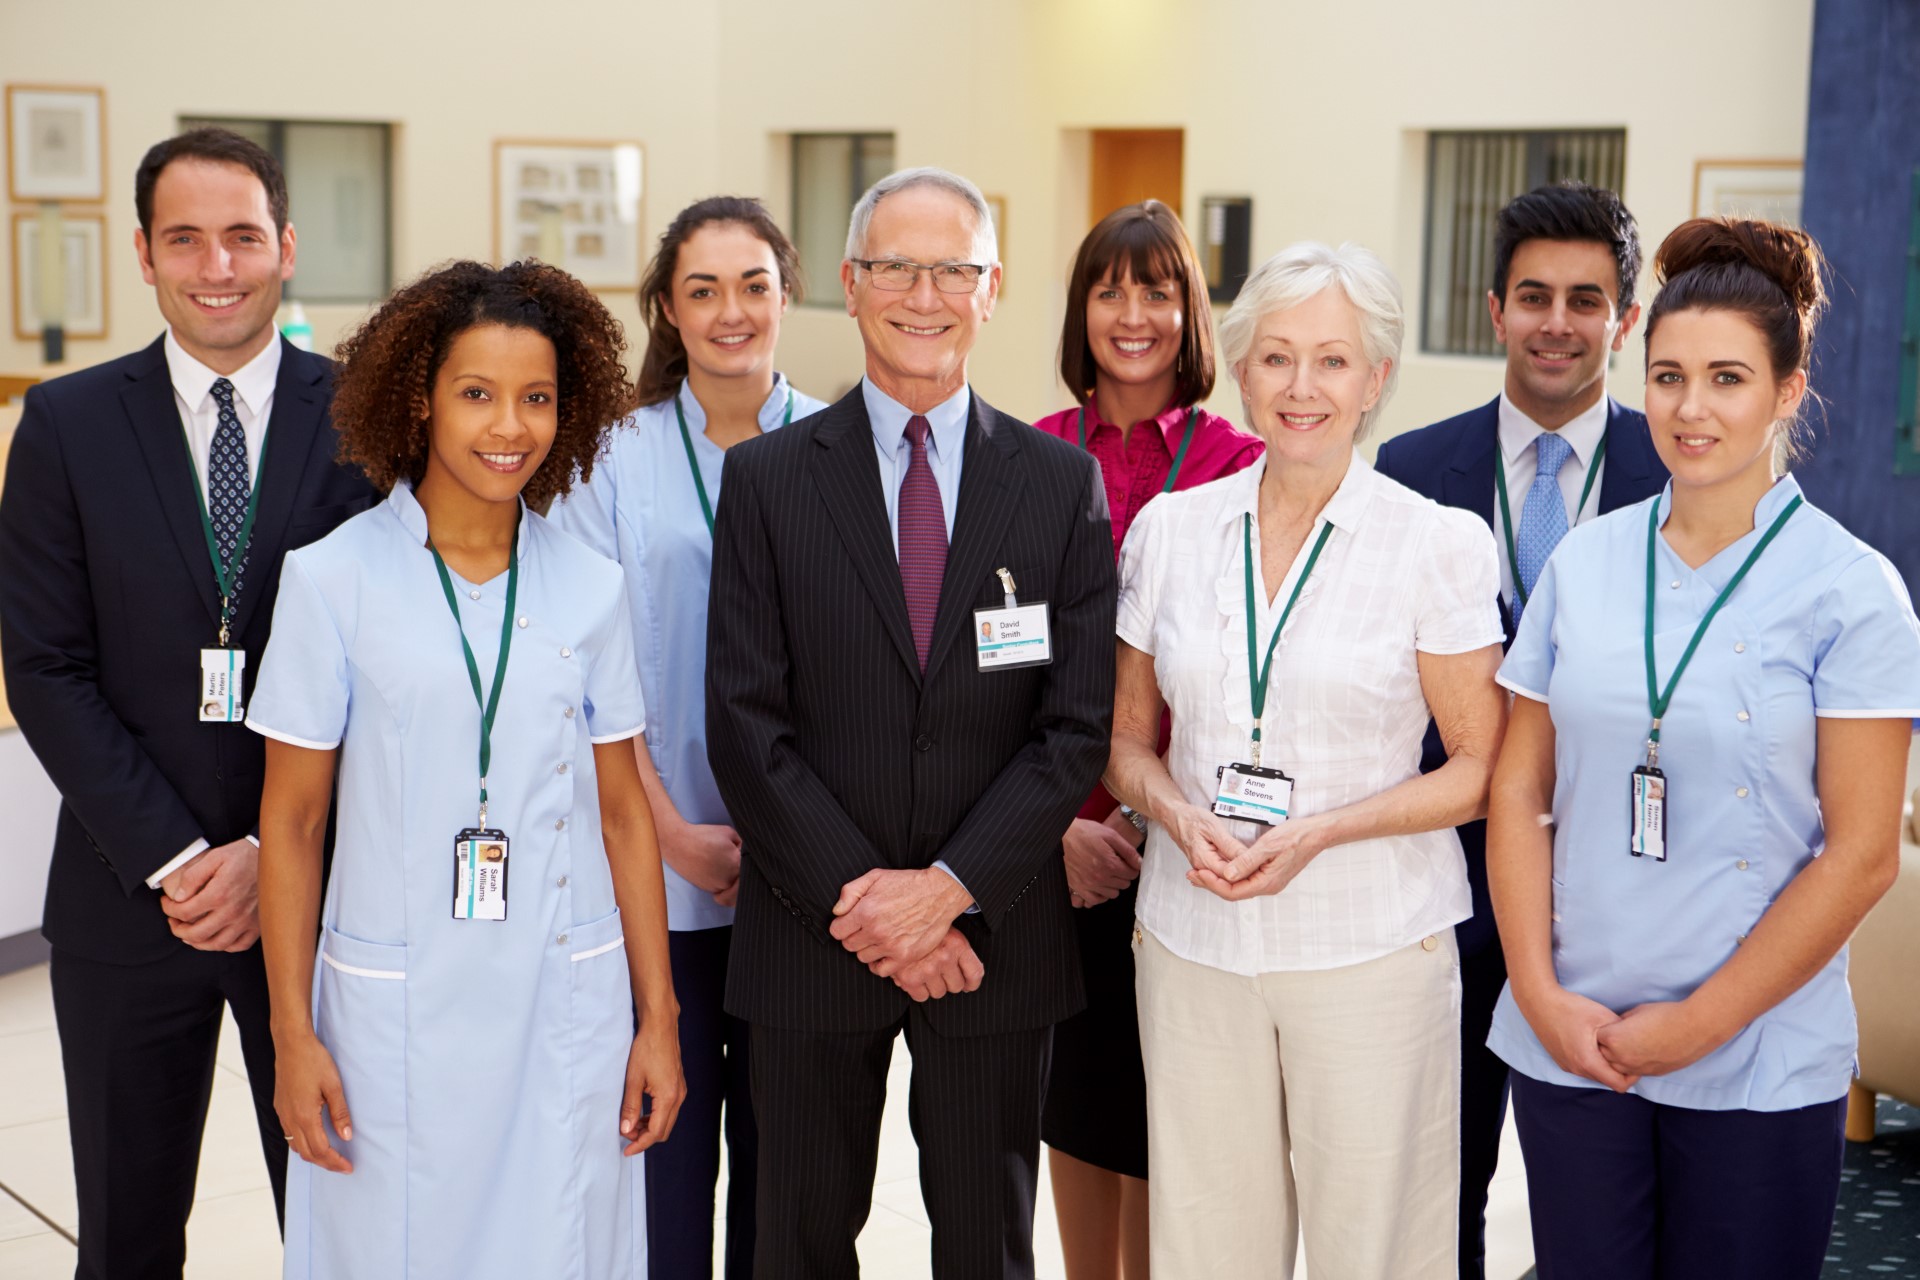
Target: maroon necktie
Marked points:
923	540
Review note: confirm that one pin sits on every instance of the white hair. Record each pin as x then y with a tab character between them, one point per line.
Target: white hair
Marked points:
1304	270
986	244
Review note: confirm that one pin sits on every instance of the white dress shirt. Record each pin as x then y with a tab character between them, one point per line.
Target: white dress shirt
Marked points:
1522	461
1345	715
253	384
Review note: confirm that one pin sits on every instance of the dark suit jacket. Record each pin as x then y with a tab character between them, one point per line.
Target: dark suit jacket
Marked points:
1452	463
107	598
835	756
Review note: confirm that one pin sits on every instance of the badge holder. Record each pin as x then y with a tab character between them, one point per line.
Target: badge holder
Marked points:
1649	838
222	677
1248	793
1016	635
480	873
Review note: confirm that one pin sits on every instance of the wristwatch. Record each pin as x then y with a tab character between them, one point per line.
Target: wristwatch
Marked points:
1138	819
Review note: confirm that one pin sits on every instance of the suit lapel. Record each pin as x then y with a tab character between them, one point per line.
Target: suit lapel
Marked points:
297	399
989	497
155	420
1632	468
847	473
1467	483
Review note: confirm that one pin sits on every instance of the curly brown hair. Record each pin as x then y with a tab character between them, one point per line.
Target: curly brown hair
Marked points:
384	383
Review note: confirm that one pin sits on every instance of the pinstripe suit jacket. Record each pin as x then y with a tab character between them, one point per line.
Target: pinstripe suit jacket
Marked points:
835	755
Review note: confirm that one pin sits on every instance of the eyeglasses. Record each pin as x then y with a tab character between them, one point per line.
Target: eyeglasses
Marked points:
896	275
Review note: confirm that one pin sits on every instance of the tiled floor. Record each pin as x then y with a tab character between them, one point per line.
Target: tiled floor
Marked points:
232	1236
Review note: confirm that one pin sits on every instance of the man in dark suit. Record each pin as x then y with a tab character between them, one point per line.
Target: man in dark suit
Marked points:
148	504
900	798
1551	450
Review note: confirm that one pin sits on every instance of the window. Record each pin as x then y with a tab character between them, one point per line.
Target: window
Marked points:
338	199
1907	445
830	172
1469	177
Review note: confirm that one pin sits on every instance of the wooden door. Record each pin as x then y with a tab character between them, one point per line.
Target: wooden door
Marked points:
1130	165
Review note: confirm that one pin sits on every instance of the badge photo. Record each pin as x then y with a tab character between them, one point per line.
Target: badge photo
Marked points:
480	874
222	677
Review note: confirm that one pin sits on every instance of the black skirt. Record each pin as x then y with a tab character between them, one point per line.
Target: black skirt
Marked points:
1096	1108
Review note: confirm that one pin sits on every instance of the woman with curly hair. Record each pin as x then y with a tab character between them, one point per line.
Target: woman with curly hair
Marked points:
458	1067
712	298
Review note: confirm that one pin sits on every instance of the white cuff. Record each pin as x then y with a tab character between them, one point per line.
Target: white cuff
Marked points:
179	860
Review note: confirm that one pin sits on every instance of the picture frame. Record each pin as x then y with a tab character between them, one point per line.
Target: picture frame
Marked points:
56	143
85	237
1768	189
1226	244
997	215
579	206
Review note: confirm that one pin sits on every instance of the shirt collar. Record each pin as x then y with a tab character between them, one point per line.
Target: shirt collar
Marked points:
1344	509
253	381
1584	433
948	419
1765	512
1171	420
413	517
773	413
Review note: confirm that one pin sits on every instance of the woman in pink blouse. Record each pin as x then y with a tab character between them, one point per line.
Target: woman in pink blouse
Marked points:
1137	350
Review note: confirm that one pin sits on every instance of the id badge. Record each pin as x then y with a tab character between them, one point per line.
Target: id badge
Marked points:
222	675
480	874
1252	794
1649	813
1017	636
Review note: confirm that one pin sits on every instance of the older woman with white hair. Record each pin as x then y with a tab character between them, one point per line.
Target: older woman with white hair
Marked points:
1297	978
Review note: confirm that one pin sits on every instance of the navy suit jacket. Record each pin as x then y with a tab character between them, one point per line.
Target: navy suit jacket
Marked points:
105	602
1452	463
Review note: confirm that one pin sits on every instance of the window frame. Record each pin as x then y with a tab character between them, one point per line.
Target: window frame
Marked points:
816	296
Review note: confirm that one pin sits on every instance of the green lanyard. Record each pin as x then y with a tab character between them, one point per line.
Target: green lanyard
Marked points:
1257	672
1193	417
223	570
1657	701
491	704
1506	512
693	463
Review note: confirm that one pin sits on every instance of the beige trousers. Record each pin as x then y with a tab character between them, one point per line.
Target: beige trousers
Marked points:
1325	1101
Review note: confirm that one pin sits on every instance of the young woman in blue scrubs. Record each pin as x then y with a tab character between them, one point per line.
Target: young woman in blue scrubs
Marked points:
1698	800
458	1068
712	299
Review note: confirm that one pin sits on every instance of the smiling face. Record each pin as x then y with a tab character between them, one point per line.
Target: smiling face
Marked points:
214	260
494	413
727	300
1712	401
918	341
1134	330
1560	320
1306	381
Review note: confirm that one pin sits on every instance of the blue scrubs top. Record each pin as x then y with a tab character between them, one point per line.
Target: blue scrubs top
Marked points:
483	1061
642	510
1821	626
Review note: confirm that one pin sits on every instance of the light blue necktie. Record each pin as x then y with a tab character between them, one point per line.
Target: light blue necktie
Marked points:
1543	520
227	482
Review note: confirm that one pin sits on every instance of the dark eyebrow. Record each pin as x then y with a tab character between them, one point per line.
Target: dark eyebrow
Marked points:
1730	364
1664	364
1579	288
756	271
701	275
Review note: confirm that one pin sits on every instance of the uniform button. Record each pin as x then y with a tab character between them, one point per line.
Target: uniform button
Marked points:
473	595
560	824
1675	584
1740	938
568	713
1429	943
561	768
523	622
1741	865
561	883
1740	648
923	743
566	653
1743	717
1556	917
1741	792
562	939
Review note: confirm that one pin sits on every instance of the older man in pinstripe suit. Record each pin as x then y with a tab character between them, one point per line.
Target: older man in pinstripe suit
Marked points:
899	798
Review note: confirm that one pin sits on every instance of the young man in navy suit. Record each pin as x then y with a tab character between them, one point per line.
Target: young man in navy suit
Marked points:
148	504
1553	449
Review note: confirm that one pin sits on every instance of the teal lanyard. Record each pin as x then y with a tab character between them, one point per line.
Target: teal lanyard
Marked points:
1193	418
223	570
1658	701
1260	673
693	462
1506	512
491	703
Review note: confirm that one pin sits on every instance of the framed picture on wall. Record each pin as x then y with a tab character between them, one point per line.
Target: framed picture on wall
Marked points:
1768	189
1226	244
83	238
56	143
576	205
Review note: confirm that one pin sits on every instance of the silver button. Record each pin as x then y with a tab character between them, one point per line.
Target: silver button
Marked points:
473	595
562	939
1556	917
566	653
1743	717
568	713
1675	584
562	768
1741	865
561	883
1740	938
1741	792
560	824
1741	647
523	622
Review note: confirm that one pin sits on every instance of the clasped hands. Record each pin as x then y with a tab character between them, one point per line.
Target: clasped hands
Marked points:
1616	1050
1229	868
213	902
900	925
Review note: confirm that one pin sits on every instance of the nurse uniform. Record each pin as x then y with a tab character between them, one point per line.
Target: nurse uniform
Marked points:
483	1061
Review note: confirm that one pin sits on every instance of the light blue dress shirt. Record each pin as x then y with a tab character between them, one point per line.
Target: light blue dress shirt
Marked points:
946	442
428	1017
1821	627
642	510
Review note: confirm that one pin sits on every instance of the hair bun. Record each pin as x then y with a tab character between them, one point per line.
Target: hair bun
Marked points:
1785	255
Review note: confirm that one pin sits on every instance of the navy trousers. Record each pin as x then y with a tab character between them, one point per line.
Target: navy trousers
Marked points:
682	1171
1626	1189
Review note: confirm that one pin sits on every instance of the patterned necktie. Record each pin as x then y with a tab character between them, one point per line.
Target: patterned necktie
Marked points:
923	540
227	484
1543	520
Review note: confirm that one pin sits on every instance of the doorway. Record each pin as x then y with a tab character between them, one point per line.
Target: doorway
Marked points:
1130	165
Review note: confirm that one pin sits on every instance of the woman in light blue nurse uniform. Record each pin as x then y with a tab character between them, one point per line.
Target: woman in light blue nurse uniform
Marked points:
1714	699
712	298
458	1067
